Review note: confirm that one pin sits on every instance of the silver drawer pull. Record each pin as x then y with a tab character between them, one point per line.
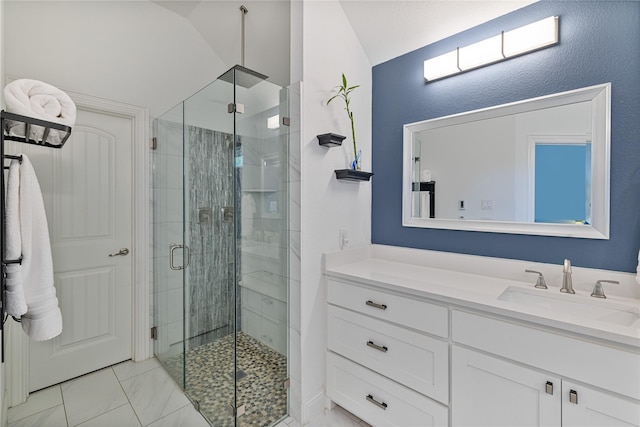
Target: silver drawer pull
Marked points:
573	397
380	405
377	347
376	305
548	388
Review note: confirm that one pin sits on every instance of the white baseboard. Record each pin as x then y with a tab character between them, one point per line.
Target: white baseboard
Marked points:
313	407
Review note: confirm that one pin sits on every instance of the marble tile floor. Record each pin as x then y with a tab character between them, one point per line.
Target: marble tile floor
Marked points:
125	395
130	395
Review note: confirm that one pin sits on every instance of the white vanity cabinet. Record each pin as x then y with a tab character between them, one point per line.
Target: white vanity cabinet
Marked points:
388	359
596	408
547	379
425	338
487	391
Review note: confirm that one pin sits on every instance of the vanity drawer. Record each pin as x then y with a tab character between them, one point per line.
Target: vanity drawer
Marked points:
610	368
415	360
358	389
406	311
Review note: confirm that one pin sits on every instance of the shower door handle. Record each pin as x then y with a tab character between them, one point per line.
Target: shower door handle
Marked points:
187	256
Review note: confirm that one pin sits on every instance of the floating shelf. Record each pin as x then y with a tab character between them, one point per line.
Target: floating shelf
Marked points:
353	175
330	140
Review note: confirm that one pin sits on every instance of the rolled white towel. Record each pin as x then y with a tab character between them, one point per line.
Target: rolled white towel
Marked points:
14	290
39	100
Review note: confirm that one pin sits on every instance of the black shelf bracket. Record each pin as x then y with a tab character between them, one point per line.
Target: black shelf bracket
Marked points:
353	175
330	140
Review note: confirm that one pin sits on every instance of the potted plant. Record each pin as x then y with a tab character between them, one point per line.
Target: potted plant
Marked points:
344	92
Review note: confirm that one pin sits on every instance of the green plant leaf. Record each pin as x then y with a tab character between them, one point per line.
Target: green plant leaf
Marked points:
332	98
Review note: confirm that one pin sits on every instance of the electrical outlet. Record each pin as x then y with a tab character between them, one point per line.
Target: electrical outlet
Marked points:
343	238
461	205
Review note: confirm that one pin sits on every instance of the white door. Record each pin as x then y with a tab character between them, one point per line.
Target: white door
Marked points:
486	391
87	187
593	408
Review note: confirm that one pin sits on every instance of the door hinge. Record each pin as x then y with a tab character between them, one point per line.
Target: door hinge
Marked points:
154	143
154	332
286	121
237	411
235	108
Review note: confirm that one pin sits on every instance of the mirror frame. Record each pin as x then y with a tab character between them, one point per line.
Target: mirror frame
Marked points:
600	97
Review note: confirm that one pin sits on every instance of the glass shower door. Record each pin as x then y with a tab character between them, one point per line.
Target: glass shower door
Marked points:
167	182
221	218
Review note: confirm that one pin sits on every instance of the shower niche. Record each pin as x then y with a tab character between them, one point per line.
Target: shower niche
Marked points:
220	189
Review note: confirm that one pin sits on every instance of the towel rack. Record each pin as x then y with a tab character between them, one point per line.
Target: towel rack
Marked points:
7	118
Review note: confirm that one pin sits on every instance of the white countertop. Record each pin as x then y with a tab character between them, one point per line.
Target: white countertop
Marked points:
385	267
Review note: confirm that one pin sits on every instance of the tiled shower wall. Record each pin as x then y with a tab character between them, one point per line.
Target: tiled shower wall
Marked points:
210	276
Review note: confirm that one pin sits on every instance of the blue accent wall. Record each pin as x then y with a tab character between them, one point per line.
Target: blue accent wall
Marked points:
599	43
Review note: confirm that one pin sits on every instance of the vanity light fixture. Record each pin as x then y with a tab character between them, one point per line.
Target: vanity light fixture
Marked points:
507	44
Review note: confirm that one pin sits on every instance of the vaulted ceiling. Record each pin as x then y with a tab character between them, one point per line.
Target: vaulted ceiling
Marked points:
386	29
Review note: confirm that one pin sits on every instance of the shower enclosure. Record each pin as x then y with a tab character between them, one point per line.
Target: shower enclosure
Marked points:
221	246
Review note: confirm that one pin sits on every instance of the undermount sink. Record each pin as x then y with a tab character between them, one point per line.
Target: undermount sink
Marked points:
573	305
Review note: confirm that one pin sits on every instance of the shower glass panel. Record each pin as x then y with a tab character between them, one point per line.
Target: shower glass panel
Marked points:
168	219
230	296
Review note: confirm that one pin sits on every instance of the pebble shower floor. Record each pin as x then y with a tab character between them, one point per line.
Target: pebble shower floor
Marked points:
210	374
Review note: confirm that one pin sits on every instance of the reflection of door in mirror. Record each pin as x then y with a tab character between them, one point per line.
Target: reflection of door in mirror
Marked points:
562	181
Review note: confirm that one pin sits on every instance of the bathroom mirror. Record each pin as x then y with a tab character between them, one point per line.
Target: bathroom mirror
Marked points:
538	166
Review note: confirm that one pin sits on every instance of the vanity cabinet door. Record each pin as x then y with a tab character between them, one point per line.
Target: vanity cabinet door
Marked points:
487	391
586	407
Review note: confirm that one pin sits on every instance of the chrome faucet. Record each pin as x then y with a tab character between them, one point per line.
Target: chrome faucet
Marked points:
598	290
567	283
540	283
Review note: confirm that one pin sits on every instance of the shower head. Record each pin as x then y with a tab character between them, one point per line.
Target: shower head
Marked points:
239	74
242	76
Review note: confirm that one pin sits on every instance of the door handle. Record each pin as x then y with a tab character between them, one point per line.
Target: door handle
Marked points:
172	249
121	252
